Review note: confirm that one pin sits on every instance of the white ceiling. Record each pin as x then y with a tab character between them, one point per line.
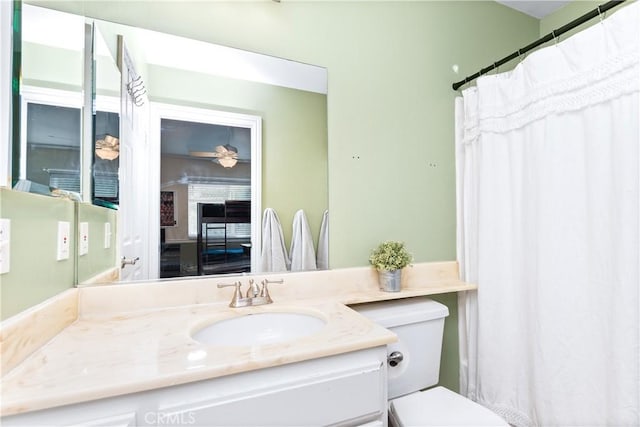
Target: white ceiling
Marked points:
536	8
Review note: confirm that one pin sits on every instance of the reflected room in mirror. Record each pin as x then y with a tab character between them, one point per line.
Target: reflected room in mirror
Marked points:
205	173
106	158
52	146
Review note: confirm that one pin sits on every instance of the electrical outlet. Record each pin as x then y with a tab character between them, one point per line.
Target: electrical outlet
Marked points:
107	235
83	238
64	240
5	245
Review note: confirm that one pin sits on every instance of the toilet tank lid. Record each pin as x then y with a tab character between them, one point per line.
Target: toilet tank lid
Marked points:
402	312
442	407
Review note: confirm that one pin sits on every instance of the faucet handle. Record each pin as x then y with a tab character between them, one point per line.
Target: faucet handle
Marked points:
264	292
226	285
237	294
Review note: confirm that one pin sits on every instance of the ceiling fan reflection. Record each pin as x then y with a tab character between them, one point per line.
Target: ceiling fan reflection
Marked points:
227	155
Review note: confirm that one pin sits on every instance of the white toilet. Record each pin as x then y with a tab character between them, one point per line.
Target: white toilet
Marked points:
414	364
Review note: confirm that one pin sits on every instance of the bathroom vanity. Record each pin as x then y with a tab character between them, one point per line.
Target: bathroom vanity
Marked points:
347	389
133	355
142	365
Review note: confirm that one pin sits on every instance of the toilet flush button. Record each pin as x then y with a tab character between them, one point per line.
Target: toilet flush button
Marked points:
394	358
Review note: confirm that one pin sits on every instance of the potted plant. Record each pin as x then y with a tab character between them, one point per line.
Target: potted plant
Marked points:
389	258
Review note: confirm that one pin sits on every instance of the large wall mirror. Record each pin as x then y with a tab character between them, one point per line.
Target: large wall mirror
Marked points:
184	76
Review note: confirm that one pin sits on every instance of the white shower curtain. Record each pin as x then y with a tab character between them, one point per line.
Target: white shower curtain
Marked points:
548	227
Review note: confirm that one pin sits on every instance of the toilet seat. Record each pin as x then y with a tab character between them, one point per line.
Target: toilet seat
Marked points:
441	407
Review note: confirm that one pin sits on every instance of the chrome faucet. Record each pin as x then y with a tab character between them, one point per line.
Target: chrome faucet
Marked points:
254	295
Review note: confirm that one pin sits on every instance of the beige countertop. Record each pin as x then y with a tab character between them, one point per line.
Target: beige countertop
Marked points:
111	349
103	357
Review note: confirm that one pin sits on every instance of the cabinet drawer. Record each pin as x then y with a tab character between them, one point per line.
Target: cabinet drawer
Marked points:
330	400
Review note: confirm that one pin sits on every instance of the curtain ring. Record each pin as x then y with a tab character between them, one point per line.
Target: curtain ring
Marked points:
555	38
601	15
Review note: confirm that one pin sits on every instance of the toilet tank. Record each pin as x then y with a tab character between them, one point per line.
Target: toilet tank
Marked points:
419	325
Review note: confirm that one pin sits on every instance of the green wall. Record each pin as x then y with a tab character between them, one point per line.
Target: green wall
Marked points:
35	274
449	362
390	102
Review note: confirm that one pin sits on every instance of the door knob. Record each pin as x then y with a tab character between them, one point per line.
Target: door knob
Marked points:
128	261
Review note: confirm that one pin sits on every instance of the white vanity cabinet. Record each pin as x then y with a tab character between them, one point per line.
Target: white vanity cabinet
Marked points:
342	390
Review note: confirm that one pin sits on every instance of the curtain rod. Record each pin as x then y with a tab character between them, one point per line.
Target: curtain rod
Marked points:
598	11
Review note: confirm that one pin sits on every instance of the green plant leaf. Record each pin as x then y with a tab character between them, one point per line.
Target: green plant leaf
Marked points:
390	255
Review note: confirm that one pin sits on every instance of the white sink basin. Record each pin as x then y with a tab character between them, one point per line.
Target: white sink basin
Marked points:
259	329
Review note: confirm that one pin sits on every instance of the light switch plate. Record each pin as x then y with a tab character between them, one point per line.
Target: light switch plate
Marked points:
107	235
5	245
83	238
64	240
